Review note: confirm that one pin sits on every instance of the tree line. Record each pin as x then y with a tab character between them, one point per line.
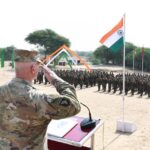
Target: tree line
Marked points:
105	55
47	41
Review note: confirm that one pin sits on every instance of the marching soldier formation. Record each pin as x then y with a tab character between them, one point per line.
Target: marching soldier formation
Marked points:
105	81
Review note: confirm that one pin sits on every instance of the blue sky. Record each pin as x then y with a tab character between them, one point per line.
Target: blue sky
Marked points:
83	22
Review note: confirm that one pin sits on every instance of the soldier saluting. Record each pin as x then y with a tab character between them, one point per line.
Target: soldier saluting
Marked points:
25	112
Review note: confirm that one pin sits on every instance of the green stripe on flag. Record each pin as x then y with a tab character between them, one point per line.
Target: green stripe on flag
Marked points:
117	46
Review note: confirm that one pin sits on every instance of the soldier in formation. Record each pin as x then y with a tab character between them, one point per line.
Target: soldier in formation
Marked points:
107	81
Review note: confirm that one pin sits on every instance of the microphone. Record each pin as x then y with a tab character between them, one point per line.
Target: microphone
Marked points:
87	123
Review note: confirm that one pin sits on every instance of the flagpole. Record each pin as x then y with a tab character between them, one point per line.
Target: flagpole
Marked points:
142	66
133	59
142	58
122	125
123	96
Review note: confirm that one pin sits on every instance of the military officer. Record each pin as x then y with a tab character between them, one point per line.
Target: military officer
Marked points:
25	111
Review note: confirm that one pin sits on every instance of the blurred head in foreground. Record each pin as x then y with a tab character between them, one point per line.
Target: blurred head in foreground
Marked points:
26	66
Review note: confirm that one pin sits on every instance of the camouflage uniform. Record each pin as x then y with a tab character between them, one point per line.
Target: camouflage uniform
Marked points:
25	112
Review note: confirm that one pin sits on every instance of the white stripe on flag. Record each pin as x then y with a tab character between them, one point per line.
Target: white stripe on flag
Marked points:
113	38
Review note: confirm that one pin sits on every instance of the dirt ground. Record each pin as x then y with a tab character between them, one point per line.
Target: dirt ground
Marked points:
109	108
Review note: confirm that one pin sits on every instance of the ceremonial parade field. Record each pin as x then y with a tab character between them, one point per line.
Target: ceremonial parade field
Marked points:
109	108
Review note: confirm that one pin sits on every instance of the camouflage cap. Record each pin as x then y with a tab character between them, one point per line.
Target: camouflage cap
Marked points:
25	55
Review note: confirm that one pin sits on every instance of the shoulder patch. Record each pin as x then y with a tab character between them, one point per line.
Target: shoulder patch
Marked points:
64	102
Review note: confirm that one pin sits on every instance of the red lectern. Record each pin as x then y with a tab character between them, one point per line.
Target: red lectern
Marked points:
75	138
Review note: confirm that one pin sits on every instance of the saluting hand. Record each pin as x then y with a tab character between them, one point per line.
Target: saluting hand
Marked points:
50	75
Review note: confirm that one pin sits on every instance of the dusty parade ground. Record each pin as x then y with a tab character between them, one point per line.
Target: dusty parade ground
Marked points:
109	108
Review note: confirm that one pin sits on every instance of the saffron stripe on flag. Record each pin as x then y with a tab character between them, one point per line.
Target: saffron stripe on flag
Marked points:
113	38
107	35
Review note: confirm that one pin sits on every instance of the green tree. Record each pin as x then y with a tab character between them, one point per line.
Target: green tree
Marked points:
8	52
106	55
131	50
47	39
103	54
138	59
146	64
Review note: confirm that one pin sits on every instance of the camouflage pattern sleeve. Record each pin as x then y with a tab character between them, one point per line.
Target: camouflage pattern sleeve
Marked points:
3	92
56	106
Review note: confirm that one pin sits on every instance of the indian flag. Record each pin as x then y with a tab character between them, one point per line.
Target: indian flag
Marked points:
114	38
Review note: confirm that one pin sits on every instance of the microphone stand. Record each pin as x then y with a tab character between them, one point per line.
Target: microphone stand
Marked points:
87	123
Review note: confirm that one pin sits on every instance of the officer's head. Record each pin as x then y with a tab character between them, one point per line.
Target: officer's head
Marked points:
26	64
